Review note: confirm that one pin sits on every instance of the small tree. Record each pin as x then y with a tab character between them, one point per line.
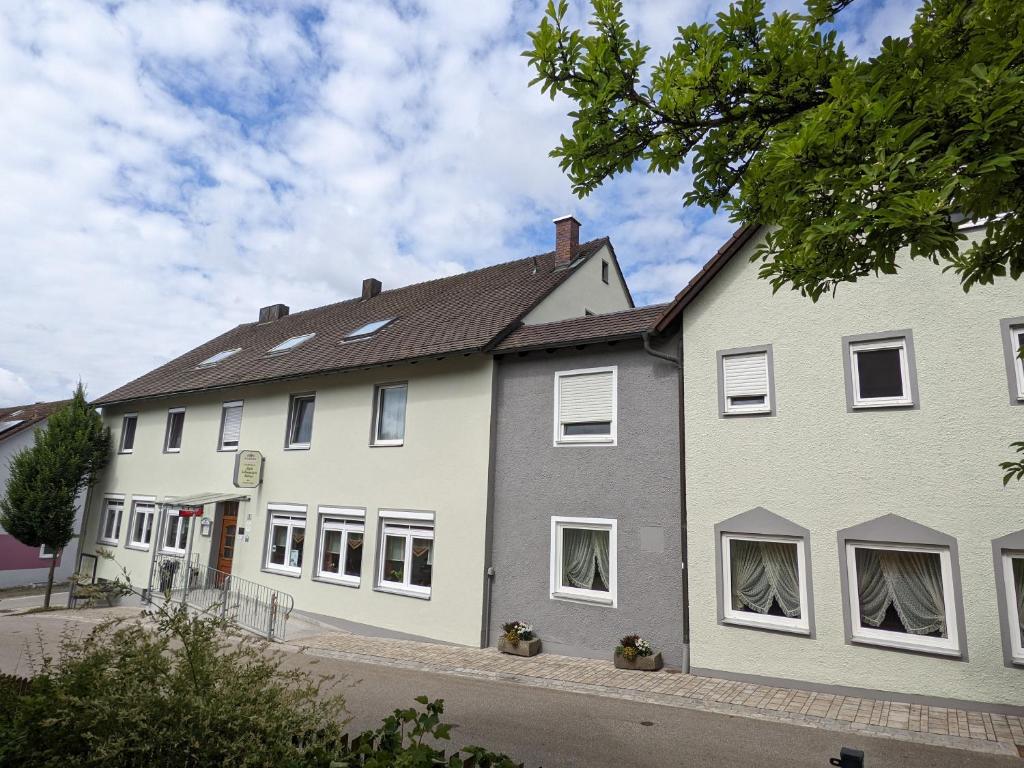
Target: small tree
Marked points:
38	508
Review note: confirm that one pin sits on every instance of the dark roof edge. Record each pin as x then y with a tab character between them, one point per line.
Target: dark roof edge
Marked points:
622	277
706	274
561	344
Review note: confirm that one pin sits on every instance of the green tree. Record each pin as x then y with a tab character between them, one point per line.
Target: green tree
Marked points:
38	507
849	164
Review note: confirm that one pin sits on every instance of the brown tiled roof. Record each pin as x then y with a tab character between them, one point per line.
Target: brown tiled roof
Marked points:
714	265
27	416
461	313
628	324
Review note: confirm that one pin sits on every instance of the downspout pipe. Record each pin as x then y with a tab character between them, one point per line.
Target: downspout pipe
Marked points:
676	361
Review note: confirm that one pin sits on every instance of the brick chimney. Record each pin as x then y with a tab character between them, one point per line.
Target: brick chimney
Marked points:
273	312
567	239
371	287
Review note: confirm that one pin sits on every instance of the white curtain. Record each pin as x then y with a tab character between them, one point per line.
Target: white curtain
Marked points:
911	582
584	552
392	413
1018	583
763	572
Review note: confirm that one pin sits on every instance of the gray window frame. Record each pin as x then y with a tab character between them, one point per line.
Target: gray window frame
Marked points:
908	340
762	522
1010	355
770	355
895	530
1013	542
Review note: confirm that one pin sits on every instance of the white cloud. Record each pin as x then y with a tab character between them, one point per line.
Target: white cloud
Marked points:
170	167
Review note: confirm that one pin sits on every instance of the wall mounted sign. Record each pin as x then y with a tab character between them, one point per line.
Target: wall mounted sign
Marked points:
248	469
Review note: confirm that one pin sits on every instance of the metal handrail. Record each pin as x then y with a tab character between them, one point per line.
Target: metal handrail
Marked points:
256	607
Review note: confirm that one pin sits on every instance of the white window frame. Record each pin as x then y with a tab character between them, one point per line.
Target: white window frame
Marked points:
948	646
104	515
560	592
750	618
1017	336
289	517
120	443
897	342
612	437
174	512
240	404
43	555
766	407
292	411
137	501
409	525
346	520
379	406
1010	596
167	431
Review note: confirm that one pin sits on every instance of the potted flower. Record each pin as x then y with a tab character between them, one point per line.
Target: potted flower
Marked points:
518	639
633	652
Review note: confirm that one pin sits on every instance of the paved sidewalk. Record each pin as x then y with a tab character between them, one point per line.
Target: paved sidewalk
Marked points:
959	728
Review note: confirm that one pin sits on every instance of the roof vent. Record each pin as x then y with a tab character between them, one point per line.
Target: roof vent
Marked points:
371	287
567	239
273	312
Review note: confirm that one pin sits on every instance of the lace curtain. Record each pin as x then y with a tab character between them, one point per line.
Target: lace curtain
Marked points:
762	572
911	582
584	553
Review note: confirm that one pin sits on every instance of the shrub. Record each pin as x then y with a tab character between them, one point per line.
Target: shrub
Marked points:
632	646
514	631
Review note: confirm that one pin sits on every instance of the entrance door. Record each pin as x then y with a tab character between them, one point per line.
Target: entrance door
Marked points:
228	530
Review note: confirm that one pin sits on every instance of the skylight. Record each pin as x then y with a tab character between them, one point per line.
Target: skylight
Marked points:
5	425
213	360
369	329
289	344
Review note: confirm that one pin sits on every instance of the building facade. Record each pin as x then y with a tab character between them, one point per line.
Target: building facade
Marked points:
847	522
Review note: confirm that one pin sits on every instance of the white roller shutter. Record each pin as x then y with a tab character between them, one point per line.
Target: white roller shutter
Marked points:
586	397
745	376
232	429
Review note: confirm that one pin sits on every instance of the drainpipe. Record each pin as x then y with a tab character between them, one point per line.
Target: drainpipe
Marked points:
154	542
487	608
676	361
87	503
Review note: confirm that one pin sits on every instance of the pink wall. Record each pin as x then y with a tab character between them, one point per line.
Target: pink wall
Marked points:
15	556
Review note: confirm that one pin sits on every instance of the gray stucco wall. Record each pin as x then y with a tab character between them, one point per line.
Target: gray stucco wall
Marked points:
636	482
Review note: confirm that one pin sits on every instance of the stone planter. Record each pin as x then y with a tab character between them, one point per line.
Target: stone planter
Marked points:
650	663
525	647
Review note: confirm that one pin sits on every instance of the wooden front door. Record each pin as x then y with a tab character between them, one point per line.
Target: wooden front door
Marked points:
228	530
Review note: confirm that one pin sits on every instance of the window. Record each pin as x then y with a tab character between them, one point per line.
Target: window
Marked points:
340	556
389	414
746	383
128	424
583	555
879	371
287	534
230	426
141	531
1013	340
289	344
764	580
175	425
1008	556
367	330
110	520
604	271
46	552
214	359
406	561
176	527
300	421
902	596
585	406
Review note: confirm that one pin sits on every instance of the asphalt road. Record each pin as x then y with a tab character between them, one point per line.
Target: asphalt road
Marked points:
552	728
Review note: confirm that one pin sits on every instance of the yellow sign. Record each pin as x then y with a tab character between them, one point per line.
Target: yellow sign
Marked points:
248	469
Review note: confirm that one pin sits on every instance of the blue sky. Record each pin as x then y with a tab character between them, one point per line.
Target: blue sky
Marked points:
170	166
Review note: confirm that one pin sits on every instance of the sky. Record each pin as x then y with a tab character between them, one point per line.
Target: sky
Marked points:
168	167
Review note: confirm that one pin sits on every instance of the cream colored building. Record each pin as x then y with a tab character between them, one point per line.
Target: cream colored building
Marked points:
847	523
375	427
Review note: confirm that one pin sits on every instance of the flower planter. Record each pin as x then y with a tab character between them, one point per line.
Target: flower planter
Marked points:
650	663
525	647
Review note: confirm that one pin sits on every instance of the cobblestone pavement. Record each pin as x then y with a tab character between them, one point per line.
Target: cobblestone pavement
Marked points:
960	728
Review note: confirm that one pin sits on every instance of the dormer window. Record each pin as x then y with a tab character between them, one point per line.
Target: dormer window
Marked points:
220	356
367	330
289	344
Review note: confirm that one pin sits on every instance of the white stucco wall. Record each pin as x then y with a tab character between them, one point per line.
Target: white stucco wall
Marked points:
584	290
442	467
826	469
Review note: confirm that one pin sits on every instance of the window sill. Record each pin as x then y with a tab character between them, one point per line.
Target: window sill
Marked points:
789	630
173	552
172	450
125	453
137	547
869	406
602	601
402	592
388	444
734	414
949	653
227	450
297	447
108	542
584	443
338	582
291	573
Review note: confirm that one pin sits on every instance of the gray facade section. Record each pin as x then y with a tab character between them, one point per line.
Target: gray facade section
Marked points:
636	482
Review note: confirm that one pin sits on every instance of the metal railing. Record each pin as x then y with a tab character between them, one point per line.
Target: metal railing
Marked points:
254	606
